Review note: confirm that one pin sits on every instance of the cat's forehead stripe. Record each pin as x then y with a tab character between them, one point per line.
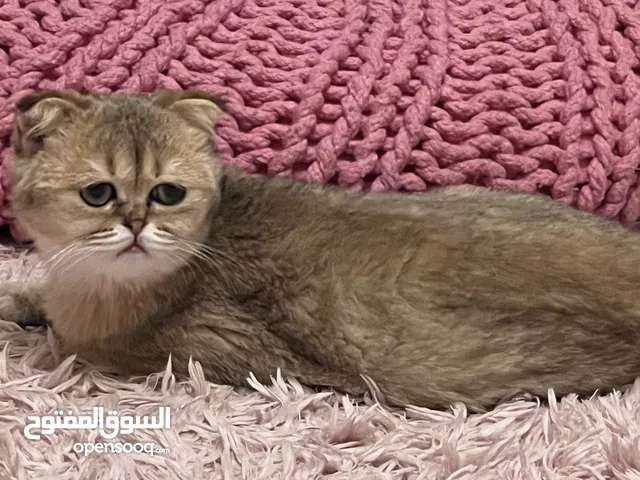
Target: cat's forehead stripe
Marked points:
111	163
127	140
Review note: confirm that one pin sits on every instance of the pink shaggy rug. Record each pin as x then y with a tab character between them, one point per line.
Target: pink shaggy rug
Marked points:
528	95
284	432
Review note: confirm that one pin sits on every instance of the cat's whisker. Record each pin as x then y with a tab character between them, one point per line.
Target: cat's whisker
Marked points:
57	254
194	252
79	258
215	253
70	251
187	254
54	261
201	250
64	260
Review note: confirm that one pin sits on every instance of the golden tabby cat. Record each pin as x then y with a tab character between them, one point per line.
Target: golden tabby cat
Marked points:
153	248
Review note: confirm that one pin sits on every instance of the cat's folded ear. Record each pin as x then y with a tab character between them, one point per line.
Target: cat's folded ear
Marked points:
199	109
40	114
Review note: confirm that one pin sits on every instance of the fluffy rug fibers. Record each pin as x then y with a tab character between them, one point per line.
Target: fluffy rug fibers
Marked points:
284	431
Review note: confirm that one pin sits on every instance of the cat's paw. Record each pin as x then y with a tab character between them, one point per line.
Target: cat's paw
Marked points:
21	308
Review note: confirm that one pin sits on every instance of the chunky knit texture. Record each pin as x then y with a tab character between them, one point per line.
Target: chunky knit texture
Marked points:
525	95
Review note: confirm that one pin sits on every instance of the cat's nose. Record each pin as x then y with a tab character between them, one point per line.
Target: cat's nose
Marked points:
135	226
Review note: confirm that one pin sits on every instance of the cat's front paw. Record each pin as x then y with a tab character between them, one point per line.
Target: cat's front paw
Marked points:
22	307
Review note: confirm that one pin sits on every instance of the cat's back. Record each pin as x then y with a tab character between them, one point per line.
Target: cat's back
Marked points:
461	236
470	235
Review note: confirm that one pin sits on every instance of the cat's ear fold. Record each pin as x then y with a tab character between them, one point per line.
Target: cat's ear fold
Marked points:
199	109
41	114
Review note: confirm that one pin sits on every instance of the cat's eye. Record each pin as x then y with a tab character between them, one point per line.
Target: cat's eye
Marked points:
98	194
168	194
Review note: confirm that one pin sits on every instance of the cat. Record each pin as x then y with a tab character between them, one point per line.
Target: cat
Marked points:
153	247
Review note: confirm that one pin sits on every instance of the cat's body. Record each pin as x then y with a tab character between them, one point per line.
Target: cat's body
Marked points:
458	295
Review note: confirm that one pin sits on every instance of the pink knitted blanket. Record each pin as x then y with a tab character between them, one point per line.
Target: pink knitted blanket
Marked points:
526	95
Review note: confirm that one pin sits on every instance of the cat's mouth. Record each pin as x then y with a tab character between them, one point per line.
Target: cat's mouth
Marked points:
133	249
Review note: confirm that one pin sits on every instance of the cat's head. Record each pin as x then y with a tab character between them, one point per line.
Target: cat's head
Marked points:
117	187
